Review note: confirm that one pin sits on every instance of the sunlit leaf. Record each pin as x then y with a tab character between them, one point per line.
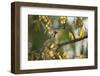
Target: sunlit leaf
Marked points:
59	56
52	45
51	53
82	32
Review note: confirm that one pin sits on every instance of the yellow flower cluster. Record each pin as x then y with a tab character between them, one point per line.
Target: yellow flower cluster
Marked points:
63	19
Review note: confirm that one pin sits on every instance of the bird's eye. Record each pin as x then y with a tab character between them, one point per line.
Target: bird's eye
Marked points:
55	32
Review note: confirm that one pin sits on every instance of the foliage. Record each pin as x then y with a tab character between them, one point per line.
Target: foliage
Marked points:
46	33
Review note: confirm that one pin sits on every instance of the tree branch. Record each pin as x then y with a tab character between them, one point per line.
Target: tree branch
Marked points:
72	41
